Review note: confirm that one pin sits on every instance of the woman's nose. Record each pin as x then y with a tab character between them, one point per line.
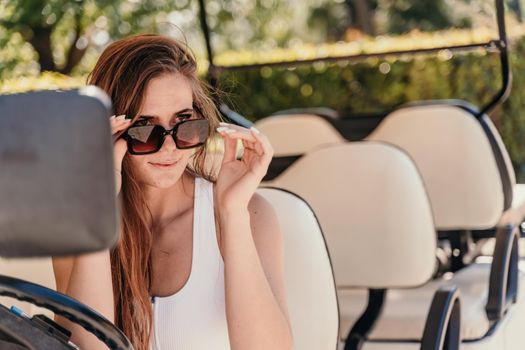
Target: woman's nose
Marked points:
169	143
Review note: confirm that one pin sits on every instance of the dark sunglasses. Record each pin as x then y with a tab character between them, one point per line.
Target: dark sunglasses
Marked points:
146	139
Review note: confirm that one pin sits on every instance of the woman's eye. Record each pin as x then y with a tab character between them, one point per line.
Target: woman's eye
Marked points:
183	117
142	122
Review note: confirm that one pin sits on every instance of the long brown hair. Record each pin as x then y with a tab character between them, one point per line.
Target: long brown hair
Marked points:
123	71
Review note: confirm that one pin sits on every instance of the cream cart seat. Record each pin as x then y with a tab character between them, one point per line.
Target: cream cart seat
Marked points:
374	211
292	135
470	182
309	279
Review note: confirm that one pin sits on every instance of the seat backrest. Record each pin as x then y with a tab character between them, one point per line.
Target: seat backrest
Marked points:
296	134
461	157
309	280
374	212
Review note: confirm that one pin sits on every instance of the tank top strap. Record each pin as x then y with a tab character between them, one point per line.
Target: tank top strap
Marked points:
204	232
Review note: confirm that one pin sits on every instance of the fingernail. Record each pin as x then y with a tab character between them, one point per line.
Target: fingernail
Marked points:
255	130
223	124
222	129
127	121
229	131
112	117
121	117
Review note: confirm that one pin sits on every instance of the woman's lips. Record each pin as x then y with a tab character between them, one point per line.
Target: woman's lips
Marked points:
164	165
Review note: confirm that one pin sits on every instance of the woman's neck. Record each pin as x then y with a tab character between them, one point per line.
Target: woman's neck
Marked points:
166	203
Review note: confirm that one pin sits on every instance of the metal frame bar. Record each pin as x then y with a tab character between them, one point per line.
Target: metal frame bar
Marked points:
504	271
207	39
443	325
493	44
368	319
506	74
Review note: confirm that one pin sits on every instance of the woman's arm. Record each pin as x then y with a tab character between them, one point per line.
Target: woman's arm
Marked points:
251	244
254	278
86	278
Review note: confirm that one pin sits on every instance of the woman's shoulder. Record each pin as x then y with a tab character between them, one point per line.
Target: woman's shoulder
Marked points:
263	218
260	206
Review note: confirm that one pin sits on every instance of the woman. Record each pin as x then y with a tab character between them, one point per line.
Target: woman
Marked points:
199	262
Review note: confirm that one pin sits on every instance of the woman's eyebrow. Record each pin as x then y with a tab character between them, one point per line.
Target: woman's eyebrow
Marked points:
174	115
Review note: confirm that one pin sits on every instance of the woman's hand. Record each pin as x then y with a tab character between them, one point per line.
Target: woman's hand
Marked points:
238	179
119	124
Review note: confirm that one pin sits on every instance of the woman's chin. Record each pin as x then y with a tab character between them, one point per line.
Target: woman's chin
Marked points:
165	179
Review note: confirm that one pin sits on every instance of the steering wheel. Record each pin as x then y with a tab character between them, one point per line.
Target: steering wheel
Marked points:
66	307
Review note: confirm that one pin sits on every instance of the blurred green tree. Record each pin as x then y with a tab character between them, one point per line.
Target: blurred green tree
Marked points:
376	17
331	20
60	31
241	24
516	6
363	15
425	15
335	18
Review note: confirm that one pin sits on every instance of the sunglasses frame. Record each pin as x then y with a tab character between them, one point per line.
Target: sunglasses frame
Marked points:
172	132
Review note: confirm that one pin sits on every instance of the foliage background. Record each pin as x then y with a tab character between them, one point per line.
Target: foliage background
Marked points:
376	86
251	31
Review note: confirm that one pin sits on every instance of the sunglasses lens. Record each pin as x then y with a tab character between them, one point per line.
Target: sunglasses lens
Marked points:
144	139
192	133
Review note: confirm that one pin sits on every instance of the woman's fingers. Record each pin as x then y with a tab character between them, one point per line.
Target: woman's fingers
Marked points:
235	131
255	144
117	119
263	147
230	136
248	145
119	123
250	137
119	150
263	142
230	148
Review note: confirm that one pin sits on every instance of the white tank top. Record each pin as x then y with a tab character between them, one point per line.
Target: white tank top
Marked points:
194	318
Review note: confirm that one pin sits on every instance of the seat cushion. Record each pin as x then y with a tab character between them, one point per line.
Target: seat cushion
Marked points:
405	311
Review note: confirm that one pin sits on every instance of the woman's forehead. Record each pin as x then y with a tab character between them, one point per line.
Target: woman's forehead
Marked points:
166	94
